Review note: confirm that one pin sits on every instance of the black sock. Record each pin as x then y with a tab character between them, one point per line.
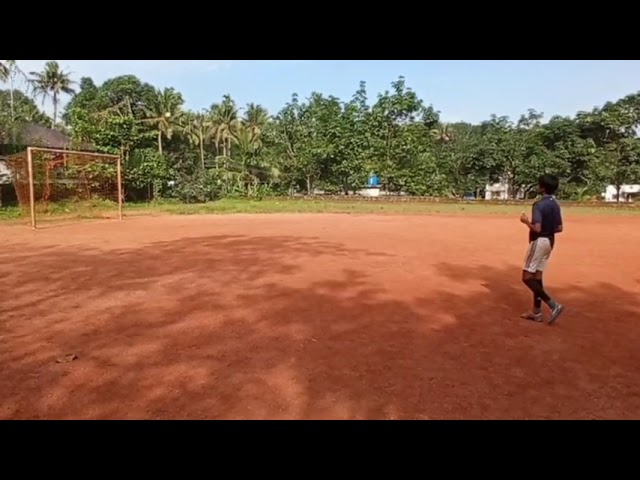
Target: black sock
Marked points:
536	287
537	301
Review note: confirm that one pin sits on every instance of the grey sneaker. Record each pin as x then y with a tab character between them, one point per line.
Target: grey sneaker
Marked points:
534	317
555	313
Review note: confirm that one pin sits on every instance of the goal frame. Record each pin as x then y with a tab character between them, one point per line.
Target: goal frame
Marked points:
32	199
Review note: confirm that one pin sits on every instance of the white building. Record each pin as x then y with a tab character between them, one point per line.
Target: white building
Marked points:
627	193
500	191
5	174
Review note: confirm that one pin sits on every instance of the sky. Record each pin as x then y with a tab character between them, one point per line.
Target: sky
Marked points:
469	90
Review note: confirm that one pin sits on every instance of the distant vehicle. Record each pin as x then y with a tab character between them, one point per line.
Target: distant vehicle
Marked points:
469	196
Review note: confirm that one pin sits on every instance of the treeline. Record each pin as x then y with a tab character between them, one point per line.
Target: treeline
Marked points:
325	143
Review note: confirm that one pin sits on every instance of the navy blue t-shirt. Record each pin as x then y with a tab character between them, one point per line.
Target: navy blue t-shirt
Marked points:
546	212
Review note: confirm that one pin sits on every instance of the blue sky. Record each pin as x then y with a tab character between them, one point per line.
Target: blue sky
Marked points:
468	90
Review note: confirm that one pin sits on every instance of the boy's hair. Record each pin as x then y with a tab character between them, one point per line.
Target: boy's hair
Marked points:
549	183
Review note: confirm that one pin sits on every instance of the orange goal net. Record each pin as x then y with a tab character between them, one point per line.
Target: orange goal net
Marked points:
42	176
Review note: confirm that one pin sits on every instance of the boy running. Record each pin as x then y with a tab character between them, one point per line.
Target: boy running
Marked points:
546	221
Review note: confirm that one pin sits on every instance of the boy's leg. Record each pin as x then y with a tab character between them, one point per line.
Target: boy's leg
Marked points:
536	312
537	301
535	263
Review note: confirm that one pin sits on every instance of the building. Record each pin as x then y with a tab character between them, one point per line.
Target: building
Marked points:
628	193
30	135
5	174
500	191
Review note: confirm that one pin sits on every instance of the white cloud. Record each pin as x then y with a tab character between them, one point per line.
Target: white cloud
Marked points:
147	70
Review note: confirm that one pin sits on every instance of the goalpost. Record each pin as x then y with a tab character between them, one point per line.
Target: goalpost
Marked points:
47	175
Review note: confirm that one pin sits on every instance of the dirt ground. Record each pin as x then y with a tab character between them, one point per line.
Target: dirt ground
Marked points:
315	316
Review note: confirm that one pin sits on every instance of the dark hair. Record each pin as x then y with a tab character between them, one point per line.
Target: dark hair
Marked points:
549	183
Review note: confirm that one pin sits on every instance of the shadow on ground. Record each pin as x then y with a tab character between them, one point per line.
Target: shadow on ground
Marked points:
235	327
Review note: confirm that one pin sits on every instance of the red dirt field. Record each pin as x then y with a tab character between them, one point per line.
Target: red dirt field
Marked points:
315	316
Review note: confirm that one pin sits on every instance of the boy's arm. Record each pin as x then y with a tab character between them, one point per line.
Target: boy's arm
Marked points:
536	219
559	224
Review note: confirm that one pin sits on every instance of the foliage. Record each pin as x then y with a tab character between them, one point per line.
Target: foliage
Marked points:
52	81
25	109
325	143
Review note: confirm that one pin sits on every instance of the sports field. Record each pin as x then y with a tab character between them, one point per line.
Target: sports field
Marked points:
316	316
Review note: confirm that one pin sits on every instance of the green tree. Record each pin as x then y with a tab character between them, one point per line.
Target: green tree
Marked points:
255	118
24	109
197	128
163	111
52	81
353	154
393	143
111	116
612	129
249	167
325	143
10	72
223	121
4	70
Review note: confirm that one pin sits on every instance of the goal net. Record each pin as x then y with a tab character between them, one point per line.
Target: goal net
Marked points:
43	177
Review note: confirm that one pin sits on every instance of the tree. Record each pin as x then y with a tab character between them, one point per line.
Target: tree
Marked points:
223	121
197	128
9	71
127	89
393	143
323	142
249	166
255	118
289	134
353	153
17	107
4	70
163	111
612	130
111	116
52	81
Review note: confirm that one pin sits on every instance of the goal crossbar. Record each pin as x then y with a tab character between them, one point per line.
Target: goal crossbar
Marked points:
72	152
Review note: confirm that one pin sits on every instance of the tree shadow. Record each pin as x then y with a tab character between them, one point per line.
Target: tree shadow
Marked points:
600	304
82	275
236	327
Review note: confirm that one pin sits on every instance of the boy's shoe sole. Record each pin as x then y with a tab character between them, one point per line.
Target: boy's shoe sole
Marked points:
555	313
534	317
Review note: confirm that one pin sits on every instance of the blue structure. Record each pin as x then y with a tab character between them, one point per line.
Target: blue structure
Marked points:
373	180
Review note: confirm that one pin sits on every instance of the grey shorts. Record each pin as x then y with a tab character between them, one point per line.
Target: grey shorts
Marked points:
537	255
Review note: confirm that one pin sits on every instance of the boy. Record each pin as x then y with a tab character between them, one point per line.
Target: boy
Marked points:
546	221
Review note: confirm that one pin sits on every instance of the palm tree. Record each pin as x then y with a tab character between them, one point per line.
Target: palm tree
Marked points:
255	118
223	122
52	81
164	112
9	70
196	127
247	146
443	133
4	70
251	166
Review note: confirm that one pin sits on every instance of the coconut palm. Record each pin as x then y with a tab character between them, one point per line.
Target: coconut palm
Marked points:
52	81
9	70
4	70
443	133
14	72
251	167
223	122
255	118
196	127
163	110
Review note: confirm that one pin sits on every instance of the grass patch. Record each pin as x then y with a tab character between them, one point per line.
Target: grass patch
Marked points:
105	209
